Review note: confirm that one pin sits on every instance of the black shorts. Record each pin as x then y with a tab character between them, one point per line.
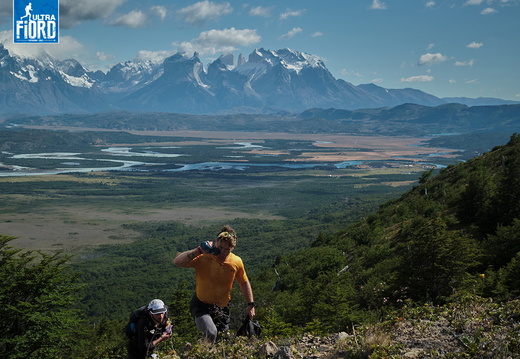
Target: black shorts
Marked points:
220	315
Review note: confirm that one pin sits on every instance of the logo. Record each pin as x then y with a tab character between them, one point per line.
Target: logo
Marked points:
35	21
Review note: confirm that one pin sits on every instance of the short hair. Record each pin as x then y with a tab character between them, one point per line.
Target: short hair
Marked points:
228	234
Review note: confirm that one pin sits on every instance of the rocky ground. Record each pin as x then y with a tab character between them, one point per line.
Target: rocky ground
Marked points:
474	329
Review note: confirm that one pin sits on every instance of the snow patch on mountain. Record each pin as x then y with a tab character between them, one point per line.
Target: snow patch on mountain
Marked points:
82	81
26	73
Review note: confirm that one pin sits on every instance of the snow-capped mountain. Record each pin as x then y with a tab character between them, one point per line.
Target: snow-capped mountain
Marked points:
268	81
46	86
129	76
182	87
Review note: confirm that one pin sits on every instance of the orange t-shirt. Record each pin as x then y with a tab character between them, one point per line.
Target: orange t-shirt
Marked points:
214	279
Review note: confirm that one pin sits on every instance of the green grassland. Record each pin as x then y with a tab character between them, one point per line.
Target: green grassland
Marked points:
75	211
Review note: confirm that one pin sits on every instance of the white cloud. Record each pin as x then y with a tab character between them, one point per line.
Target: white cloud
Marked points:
159	11
67	48
218	41
317	34
73	12
103	56
452	81
475	45
488	11
154	56
430	59
517	95
261	11
203	11
377	5
291	34
189	48
467	63
134	18
473	2
471	82
377	80
290	13
430	46
421	78
348	73
430	4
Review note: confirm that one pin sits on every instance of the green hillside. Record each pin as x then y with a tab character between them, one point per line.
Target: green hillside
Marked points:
455	234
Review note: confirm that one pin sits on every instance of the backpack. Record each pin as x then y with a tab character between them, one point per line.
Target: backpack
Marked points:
249	328
130	328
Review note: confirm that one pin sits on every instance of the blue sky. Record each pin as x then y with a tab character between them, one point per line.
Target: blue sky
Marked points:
448	48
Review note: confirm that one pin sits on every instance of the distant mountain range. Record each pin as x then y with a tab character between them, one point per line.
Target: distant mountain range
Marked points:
281	81
403	120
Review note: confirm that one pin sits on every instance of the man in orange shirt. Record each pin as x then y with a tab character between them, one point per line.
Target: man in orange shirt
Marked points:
216	268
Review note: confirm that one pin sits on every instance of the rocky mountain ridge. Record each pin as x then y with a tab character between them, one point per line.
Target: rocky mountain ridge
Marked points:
267	82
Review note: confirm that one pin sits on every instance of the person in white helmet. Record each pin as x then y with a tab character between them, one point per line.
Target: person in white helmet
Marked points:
148	326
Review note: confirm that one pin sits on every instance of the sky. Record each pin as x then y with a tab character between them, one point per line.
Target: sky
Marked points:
448	48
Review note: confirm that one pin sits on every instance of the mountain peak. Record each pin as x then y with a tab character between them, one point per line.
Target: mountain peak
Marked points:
228	60
3	51
177	57
287	58
270	80
241	60
256	56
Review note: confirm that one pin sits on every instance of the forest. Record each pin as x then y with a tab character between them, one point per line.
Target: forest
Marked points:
454	235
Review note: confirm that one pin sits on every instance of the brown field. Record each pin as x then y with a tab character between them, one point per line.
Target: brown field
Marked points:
380	147
78	228
377	147
356	148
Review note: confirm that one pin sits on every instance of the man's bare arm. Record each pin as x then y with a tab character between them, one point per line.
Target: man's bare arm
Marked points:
246	289
184	258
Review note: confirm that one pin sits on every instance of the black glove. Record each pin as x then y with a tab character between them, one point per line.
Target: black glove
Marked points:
208	247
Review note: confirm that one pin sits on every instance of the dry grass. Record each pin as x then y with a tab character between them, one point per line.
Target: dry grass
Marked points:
80	227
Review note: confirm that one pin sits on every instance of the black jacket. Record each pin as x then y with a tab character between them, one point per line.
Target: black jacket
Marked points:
141	331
